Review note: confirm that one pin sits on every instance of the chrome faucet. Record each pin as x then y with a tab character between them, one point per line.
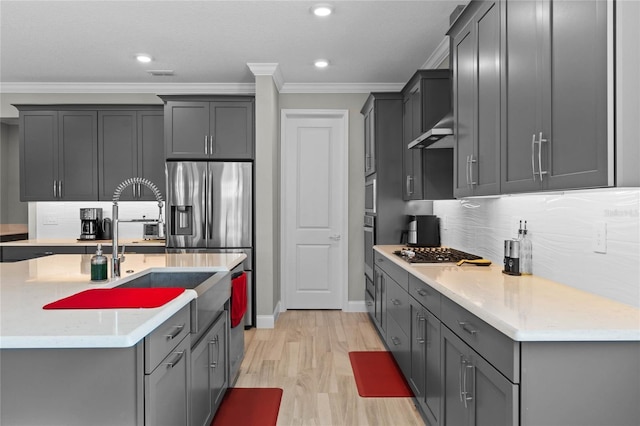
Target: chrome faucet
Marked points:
115	259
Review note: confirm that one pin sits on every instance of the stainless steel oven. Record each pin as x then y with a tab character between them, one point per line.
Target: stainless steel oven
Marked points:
370	196
369	242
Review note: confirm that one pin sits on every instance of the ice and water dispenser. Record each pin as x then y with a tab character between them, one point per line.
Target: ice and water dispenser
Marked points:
181	220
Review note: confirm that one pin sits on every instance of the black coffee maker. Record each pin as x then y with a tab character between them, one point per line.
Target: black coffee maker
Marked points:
424	231
90	224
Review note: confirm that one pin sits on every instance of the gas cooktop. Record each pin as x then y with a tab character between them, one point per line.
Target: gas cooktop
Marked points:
433	255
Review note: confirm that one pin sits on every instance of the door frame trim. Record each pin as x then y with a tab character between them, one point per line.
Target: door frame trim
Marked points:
343	115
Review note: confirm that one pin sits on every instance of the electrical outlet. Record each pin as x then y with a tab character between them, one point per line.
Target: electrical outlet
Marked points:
50	220
600	237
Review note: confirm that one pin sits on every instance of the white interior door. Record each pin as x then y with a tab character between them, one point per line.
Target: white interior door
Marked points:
314	208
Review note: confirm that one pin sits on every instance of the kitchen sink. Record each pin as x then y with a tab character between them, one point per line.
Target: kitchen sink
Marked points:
213	289
190	280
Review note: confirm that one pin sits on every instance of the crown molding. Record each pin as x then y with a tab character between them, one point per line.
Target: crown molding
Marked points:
341	87
438	55
272	69
155	88
197	88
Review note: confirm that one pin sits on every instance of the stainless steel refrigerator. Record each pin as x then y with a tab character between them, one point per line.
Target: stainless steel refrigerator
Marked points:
210	208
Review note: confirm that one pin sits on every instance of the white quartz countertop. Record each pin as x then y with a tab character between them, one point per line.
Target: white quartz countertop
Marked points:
25	287
528	307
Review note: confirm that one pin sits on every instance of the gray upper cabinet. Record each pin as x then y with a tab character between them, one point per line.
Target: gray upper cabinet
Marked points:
475	53
58	155
209	128
427	173
369	139
130	144
555	100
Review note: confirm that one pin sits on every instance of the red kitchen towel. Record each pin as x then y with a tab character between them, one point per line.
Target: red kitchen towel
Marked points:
238	298
117	298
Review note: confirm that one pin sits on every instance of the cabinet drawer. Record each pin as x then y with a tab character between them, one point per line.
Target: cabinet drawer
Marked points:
425	295
502	352
370	303
394	271
163	339
399	345
398	305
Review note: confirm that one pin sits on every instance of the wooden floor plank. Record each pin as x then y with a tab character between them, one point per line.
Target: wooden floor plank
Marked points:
307	355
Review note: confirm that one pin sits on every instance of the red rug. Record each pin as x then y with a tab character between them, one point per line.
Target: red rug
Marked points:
378	376
249	406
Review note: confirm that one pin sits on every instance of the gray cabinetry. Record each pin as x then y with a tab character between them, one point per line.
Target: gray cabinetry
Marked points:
475	393
130	144
427	173
555	100
209	127
209	375
15	253
369	139
475	53
425	378
58	155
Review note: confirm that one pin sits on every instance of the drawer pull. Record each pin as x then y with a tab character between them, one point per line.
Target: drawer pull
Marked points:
395	341
176	361
396	302
466	327
176	333
422	292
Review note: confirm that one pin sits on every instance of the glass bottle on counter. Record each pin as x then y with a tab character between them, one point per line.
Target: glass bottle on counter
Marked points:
99	265
526	253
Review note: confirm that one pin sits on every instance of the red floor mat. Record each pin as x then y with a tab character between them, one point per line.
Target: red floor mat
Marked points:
249	406
378	376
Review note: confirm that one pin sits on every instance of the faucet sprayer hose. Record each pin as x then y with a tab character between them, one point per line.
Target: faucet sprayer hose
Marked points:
133	181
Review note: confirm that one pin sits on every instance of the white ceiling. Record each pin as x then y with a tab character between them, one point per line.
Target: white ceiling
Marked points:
370	44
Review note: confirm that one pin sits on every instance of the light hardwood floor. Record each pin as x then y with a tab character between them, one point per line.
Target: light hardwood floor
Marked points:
307	355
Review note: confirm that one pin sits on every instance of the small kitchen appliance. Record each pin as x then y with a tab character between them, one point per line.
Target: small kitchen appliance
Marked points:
511	257
424	231
90	223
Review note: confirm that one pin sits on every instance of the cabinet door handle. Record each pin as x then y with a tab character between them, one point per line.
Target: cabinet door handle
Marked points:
176	360
60	188
471	161
55	189
540	141
467	171
175	333
460	370
468	396
212	145
533	161
466	327
420	338
206	144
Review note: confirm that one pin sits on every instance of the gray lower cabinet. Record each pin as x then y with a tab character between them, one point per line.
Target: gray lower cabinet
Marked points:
131	144
555	101
425	377
475	393
58	155
398	325
380	300
15	253
200	127
209	375
166	399
475	53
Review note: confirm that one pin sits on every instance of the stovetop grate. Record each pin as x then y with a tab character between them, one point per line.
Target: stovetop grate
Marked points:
433	255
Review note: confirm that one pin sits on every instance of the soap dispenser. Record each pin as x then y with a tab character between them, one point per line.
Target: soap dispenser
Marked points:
98	265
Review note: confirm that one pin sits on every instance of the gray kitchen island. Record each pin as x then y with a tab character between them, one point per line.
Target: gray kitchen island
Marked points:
114	366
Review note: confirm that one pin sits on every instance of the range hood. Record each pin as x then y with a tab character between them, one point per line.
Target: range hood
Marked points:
441	129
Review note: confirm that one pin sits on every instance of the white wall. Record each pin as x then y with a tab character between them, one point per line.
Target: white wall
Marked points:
561	226
62	220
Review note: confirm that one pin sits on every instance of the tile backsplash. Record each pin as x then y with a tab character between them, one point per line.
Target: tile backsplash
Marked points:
563	228
62	220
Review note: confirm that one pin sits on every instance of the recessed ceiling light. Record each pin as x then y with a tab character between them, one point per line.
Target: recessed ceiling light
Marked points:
321	63
322	9
144	58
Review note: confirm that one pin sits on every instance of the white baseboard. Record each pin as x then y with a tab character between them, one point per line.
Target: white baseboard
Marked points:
268	321
356	306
